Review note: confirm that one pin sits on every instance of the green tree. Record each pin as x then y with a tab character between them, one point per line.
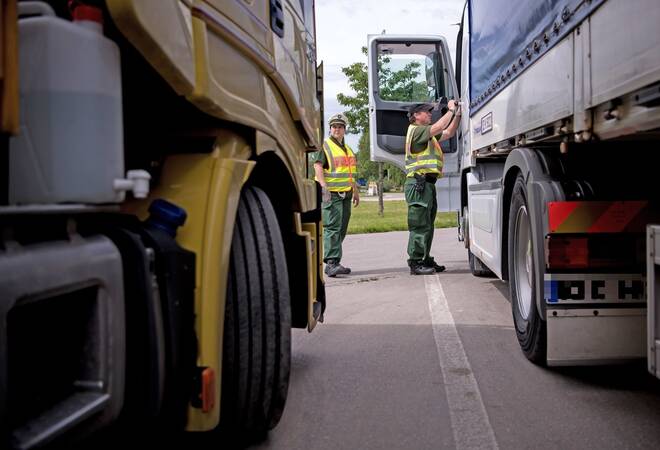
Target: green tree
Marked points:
367	169
401	85
358	104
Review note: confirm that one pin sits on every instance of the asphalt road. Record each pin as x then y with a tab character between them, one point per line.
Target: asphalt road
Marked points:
406	362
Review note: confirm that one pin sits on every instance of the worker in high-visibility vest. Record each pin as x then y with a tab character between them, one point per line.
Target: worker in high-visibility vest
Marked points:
424	162
335	167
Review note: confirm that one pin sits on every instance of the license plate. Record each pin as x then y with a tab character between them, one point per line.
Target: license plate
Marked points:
594	288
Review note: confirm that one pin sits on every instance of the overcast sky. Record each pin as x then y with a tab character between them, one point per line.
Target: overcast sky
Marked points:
342	27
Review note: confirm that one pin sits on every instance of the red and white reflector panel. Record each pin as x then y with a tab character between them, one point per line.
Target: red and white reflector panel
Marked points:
598	217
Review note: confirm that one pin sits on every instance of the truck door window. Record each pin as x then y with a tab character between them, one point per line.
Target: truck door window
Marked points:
409	72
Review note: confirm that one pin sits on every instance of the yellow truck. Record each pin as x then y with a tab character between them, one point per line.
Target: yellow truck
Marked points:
160	232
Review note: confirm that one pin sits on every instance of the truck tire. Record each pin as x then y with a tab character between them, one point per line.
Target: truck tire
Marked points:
477	267
257	334
530	328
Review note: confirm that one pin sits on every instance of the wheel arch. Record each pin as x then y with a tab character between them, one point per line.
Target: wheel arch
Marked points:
540	189
509	180
272	175
463	231
464	188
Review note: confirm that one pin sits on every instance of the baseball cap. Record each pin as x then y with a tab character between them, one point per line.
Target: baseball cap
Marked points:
419	107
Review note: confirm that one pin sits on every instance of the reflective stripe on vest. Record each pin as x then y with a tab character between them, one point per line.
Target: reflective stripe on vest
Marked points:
427	161
341	170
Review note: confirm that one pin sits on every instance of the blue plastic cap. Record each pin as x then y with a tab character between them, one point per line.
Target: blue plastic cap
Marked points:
166	216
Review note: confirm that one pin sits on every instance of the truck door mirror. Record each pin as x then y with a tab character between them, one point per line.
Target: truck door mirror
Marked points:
429	67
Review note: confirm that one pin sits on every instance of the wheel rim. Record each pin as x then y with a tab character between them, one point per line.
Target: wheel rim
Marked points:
523	263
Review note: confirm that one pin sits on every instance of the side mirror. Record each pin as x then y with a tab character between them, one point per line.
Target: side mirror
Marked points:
429	70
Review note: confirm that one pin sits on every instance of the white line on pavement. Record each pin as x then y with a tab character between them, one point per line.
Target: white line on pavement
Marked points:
469	419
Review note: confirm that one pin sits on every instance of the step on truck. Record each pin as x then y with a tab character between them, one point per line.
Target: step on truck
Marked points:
159	229
552	171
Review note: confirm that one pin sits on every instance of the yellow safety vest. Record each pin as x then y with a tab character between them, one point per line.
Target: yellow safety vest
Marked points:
427	161
342	167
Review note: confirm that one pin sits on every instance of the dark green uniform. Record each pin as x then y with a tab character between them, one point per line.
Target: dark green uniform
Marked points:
422	206
336	214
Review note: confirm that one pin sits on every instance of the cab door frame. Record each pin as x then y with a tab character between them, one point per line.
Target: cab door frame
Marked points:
389	148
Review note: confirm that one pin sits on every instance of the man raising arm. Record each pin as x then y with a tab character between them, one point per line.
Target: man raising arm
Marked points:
424	162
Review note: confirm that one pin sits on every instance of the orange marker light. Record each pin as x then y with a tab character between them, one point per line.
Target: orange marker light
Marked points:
208	389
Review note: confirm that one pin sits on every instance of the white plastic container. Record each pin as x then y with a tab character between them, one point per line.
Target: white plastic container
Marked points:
70	146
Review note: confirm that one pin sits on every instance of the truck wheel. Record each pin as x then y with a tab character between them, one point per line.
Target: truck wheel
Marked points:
530	329
477	267
257	335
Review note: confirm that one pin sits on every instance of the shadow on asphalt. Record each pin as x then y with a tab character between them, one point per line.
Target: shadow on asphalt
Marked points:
394	270
367	368
628	377
501	286
376	272
451	271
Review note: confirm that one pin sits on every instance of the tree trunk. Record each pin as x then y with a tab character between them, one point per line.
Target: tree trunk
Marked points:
380	189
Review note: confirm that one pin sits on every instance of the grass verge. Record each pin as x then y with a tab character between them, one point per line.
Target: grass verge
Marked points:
365	218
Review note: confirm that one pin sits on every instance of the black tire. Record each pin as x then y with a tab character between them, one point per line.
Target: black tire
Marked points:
477	268
530	328
257	335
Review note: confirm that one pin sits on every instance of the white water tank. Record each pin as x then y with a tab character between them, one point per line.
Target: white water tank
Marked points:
70	146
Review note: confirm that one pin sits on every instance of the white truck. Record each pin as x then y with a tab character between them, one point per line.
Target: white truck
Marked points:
551	171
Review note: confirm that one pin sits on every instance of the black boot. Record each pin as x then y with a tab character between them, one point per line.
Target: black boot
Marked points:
435	266
332	269
343	270
417	268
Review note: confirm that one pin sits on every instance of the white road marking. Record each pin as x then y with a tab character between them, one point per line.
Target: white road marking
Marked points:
469	419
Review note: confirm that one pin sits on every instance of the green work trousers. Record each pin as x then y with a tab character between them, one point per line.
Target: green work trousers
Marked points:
422	207
336	214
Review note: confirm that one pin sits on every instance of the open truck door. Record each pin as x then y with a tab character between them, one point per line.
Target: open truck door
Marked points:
404	70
